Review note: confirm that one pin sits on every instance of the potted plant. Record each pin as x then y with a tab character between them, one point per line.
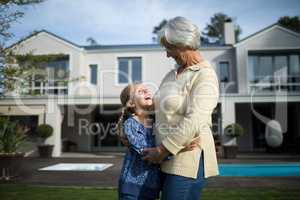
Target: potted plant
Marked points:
12	137
44	131
232	132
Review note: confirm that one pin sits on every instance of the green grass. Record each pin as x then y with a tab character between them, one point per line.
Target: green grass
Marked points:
23	192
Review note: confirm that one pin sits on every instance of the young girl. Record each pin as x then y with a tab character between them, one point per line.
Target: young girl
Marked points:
139	180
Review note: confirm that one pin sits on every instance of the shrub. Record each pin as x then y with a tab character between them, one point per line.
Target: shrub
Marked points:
234	130
44	131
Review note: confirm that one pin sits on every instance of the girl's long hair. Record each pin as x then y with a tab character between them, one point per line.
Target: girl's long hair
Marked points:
127	111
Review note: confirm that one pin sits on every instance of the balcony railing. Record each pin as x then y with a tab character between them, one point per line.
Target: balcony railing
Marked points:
54	87
276	84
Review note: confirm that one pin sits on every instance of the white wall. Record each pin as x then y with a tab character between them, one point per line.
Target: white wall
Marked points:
54	118
275	39
155	64
217	55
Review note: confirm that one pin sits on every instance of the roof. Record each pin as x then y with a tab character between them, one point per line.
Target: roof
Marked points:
109	47
43	31
121	46
145	46
265	29
140	46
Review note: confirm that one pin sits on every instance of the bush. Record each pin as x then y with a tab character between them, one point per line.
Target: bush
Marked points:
44	131
234	130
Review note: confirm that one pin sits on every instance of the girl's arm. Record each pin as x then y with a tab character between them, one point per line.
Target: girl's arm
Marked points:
136	140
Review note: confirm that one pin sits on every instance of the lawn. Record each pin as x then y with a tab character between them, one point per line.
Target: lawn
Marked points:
22	192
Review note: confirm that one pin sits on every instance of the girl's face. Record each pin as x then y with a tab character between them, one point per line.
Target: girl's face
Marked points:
142	97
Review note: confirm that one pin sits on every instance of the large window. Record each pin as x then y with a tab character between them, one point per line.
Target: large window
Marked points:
223	71
130	70
274	71
93	74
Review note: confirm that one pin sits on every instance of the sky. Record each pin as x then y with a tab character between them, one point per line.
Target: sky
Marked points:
132	21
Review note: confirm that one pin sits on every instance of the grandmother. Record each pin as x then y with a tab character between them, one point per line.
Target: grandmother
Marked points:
184	104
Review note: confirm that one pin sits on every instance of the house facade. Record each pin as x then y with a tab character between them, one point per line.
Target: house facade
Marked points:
259	81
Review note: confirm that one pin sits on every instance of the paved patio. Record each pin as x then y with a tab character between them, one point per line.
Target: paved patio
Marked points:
109	177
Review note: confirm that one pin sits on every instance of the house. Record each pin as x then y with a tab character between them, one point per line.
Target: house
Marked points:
259	81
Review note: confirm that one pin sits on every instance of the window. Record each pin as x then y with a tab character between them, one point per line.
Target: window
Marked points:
130	70
58	70
51	77
93	74
294	68
253	69
265	67
280	70
223	71
262	68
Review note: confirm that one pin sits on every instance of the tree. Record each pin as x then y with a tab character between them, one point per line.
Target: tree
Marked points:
215	29
292	23
157	29
9	13
91	41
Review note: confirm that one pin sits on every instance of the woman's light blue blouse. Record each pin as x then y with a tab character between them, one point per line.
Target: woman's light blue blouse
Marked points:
137	176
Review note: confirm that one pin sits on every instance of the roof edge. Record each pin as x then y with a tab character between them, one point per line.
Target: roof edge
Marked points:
265	29
35	33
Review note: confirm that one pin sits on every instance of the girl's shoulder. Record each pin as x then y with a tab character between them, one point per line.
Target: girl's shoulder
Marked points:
131	121
134	125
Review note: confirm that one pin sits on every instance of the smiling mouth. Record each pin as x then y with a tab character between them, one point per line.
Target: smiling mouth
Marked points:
148	98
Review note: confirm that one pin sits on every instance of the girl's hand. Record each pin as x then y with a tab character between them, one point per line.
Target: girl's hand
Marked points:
193	145
124	141
155	155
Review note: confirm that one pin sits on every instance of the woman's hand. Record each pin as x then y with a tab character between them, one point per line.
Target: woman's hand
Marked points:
156	154
193	145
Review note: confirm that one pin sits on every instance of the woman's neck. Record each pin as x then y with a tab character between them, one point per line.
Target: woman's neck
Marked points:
190	58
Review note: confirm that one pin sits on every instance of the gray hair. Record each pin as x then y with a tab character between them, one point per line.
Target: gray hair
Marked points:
180	31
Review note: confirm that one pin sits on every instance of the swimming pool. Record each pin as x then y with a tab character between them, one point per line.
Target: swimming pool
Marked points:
259	169
78	167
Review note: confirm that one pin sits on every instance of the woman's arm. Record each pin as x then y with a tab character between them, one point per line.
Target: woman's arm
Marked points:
193	145
160	153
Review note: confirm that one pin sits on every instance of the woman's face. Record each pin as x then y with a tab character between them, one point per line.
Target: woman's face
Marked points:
174	52
176	55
